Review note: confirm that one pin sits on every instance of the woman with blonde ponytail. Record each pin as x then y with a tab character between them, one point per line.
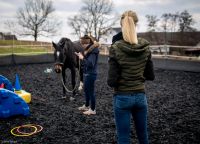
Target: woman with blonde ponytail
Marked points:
129	66
128	24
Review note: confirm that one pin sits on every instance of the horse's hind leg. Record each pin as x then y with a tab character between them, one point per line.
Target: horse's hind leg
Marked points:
64	81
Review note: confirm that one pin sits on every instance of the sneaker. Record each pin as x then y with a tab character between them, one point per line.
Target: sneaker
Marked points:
83	108
71	98
90	112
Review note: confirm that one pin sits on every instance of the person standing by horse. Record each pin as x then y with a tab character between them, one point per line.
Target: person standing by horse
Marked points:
129	66
90	59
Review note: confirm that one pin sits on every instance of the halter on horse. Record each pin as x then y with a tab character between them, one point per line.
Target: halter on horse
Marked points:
65	57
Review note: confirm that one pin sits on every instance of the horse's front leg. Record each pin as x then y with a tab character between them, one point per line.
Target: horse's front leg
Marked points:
81	77
64	81
73	81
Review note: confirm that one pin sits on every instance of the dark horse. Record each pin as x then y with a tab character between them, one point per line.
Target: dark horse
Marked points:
65	57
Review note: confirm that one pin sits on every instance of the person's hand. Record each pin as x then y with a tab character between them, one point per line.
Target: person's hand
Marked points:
80	56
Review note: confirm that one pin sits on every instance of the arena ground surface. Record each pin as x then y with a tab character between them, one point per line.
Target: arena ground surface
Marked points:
173	111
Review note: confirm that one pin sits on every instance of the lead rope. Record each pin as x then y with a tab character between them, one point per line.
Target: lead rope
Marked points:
71	91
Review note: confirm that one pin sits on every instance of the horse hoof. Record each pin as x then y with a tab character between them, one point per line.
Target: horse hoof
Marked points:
80	86
71	98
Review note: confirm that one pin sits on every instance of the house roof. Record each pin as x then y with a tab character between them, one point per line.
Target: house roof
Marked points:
8	36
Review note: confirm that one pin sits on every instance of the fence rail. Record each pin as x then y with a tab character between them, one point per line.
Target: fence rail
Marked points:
9	46
160	62
164	51
174	50
175	46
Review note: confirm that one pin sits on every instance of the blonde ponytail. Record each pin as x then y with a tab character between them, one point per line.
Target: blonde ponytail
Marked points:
128	25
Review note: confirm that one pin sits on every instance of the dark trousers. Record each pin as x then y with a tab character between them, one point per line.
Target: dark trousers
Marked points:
89	82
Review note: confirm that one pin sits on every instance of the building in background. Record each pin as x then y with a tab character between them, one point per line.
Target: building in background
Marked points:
175	43
7	36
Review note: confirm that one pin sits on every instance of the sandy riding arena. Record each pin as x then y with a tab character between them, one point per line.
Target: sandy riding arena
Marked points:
173	97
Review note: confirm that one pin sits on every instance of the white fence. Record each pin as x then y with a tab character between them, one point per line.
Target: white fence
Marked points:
167	50
158	52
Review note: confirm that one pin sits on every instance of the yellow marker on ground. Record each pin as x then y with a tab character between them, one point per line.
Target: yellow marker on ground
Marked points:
22	93
26	96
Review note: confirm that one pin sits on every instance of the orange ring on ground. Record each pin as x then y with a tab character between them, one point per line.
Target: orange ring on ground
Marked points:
29	126
15	134
26	134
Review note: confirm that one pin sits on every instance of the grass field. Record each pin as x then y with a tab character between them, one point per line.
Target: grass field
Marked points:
22	50
21	42
19	47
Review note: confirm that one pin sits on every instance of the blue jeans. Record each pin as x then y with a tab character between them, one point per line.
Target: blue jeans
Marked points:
90	98
126	105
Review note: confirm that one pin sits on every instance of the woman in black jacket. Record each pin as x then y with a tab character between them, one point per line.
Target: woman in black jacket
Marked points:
129	66
89	59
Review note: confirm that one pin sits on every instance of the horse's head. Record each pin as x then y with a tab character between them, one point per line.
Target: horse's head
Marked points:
64	53
59	56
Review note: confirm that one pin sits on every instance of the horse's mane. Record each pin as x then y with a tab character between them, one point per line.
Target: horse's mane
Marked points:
63	40
70	48
76	46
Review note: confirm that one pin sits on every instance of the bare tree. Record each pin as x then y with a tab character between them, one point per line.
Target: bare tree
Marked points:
169	23
174	21
35	18
165	21
185	22
81	24
152	22
94	18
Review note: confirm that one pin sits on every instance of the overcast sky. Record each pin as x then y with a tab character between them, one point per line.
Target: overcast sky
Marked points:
67	8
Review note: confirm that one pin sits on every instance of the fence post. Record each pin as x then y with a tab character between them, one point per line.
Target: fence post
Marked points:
12	55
